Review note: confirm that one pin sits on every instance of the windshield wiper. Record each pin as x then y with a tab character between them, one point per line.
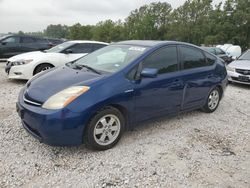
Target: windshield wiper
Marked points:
86	66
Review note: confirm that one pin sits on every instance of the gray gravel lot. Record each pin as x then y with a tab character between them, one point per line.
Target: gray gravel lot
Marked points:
189	150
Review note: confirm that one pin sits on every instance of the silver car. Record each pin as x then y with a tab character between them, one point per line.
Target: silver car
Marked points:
239	70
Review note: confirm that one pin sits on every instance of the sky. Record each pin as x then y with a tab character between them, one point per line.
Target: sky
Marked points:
36	15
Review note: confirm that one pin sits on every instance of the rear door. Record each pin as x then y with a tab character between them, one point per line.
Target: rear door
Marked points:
197	74
28	44
161	95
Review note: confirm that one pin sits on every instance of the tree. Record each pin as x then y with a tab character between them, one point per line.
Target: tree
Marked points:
56	31
190	22
108	31
149	21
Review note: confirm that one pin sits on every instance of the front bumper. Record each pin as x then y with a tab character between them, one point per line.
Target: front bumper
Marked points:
52	127
19	72
238	78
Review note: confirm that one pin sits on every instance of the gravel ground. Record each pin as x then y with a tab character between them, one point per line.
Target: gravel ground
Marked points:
189	150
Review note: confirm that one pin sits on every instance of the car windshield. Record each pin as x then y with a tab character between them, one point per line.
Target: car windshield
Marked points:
110	59
60	47
245	56
211	50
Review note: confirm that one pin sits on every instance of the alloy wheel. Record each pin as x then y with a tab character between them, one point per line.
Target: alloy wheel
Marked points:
107	129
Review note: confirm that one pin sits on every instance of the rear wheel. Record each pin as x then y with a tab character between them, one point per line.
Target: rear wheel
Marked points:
105	129
213	101
42	67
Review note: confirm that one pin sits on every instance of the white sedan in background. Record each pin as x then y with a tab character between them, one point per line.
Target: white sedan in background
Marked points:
26	65
239	70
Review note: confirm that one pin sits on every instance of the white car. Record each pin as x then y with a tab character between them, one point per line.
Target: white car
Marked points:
239	70
26	65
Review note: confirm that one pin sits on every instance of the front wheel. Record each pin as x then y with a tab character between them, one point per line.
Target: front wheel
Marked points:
105	129
42	67
213	101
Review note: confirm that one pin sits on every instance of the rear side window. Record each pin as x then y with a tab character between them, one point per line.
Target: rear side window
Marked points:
11	40
164	59
81	48
192	58
27	40
41	40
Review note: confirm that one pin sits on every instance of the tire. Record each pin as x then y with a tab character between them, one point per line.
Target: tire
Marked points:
101	133
213	101
42	67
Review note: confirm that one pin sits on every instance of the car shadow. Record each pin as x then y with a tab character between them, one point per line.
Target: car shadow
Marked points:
17	81
239	85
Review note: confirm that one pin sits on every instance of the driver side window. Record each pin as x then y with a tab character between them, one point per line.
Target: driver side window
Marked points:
10	40
164	59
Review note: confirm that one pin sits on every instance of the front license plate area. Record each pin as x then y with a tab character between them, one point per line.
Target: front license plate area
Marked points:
244	78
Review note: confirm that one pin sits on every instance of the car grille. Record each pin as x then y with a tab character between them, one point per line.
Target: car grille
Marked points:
242	71
241	80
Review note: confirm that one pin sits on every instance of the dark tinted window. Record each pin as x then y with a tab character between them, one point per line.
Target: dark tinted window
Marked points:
192	57
98	46
41	40
10	40
210	59
81	48
132	74
164	59
27	40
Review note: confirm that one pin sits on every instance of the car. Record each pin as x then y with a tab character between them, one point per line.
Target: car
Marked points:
220	53
26	65
239	70
55	42
96	98
12	45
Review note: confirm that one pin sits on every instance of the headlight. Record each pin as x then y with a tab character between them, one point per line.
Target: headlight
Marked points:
230	69
22	62
64	97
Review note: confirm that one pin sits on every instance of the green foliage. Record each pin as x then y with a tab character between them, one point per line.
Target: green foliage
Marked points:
108	31
148	22
80	32
56	31
196	21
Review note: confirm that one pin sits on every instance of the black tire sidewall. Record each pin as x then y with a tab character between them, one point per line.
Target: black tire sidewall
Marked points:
89	139
40	67
206	108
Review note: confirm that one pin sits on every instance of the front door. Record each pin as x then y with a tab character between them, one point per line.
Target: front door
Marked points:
9	47
163	94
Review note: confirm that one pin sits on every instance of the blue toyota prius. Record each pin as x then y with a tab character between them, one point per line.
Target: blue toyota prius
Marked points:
96	98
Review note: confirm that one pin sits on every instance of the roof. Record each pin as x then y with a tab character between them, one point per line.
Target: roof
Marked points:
86	41
148	43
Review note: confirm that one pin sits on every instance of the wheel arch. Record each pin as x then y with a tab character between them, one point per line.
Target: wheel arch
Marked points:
41	63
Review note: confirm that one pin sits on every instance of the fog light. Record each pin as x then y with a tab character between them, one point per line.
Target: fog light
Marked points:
17	73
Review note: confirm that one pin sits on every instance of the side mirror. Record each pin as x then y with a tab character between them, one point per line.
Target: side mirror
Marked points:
68	51
149	73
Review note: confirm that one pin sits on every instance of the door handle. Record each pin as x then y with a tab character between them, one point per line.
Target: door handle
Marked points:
210	75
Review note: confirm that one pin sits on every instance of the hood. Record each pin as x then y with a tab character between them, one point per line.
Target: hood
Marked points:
43	86
29	55
240	64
